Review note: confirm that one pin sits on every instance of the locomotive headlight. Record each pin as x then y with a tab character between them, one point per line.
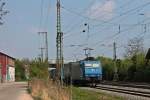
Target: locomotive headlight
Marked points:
95	65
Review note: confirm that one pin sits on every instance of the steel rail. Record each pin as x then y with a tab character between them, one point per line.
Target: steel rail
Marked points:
125	91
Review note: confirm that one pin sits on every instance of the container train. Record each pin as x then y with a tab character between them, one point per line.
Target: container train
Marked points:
87	71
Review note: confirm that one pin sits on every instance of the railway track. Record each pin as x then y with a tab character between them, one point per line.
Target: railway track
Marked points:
134	85
126	90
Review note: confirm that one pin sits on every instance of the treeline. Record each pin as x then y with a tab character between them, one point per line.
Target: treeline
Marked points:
134	68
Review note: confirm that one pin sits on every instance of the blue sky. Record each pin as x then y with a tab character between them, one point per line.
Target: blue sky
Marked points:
19	36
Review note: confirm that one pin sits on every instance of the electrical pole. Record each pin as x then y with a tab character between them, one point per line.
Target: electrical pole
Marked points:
42	52
115	58
46	44
59	46
87	50
145	28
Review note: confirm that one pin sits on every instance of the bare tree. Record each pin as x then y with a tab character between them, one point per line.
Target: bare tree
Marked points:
3	12
134	47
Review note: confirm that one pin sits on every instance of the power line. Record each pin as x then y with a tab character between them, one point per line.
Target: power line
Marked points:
76	13
127	3
124	13
134	25
103	15
40	26
73	27
70	34
47	14
81	15
121	31
41	14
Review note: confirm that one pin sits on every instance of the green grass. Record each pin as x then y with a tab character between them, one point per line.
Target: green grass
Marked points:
80	94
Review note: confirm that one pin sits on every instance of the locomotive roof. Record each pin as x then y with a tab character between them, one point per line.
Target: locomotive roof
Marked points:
90	58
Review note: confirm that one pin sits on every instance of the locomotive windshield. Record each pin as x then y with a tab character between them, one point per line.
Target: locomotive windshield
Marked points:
92	64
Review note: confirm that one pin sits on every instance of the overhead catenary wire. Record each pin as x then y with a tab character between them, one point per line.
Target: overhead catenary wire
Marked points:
40	28
118	33
86	17
93	19
106	28
111	37
47	15
41	14
124	13
78	14
43	25
103	15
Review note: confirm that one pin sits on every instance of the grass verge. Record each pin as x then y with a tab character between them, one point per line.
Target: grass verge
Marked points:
47	90
80	94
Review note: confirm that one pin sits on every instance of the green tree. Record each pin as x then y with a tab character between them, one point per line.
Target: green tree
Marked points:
108	68
19	71
123	69
39	69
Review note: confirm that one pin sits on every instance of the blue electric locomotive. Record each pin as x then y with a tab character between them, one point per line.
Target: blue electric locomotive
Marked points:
92	70
83	72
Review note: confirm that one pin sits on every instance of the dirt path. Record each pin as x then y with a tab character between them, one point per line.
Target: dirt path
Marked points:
14	91
25	96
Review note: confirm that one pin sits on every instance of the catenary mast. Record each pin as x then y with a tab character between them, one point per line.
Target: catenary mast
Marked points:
59	46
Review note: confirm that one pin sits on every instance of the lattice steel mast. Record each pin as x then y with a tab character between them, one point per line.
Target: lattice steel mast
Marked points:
59	45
